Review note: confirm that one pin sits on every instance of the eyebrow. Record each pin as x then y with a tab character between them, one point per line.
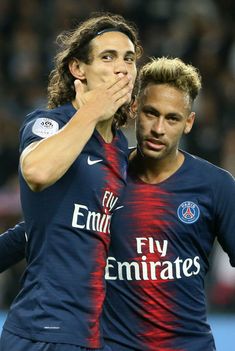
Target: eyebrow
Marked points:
149	108
154	111
114	52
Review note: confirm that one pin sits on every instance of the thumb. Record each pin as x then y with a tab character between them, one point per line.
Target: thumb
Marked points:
79	88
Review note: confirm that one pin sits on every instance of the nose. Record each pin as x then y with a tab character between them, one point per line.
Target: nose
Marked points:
120	66
159	126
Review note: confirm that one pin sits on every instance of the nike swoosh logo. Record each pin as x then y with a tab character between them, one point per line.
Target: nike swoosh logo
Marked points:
118	208
92	162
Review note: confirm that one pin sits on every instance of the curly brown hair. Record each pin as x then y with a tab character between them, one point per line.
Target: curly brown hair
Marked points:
76	44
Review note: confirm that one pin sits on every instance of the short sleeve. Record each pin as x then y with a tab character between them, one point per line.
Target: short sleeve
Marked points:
38	125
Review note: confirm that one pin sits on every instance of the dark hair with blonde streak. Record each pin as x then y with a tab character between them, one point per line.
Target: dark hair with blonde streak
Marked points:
171	71
76	44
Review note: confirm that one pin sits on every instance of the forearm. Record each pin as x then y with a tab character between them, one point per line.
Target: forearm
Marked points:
12	246
44	162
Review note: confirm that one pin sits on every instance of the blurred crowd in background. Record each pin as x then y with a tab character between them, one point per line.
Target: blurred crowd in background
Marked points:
200	32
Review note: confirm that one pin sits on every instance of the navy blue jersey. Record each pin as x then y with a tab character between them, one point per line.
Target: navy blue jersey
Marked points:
68	228
12	246
158	259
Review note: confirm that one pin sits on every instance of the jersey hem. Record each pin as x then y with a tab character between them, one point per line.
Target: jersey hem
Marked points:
52	337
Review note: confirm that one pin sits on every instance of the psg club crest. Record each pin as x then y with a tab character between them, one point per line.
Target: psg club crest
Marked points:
188	212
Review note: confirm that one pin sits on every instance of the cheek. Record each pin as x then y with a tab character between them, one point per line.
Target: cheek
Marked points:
140	128
175	134
94	80
97	76
133	73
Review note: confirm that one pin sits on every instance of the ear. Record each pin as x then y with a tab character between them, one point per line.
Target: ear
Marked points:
77	70
189	122
134	105
133	108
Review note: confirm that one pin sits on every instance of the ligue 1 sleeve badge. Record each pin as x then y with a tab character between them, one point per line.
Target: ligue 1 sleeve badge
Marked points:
45	127
188	212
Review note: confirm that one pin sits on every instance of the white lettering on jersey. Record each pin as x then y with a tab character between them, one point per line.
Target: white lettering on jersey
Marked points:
152	245
143	269
159	270
109	200
45	127
85	219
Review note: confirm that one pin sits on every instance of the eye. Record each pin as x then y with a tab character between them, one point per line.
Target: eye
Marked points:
173	118
130	59
107	57
150	112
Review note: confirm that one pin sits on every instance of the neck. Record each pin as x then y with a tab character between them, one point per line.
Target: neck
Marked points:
154	171
104	127
105	130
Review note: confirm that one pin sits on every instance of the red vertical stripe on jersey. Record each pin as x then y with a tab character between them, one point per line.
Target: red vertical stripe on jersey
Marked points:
156	306
113	183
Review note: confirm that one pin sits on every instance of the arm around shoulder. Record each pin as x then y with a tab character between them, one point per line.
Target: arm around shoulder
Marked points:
225	215
12	246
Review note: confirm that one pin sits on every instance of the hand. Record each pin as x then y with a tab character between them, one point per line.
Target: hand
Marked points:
107	98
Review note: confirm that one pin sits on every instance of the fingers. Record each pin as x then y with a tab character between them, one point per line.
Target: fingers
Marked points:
121	87
118	82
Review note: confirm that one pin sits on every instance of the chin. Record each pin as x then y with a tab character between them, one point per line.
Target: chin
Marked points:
150	154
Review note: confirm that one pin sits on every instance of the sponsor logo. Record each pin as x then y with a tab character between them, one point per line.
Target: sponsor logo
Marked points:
188	212
145	269
85	218
118	208
92	162
152	263
45	127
